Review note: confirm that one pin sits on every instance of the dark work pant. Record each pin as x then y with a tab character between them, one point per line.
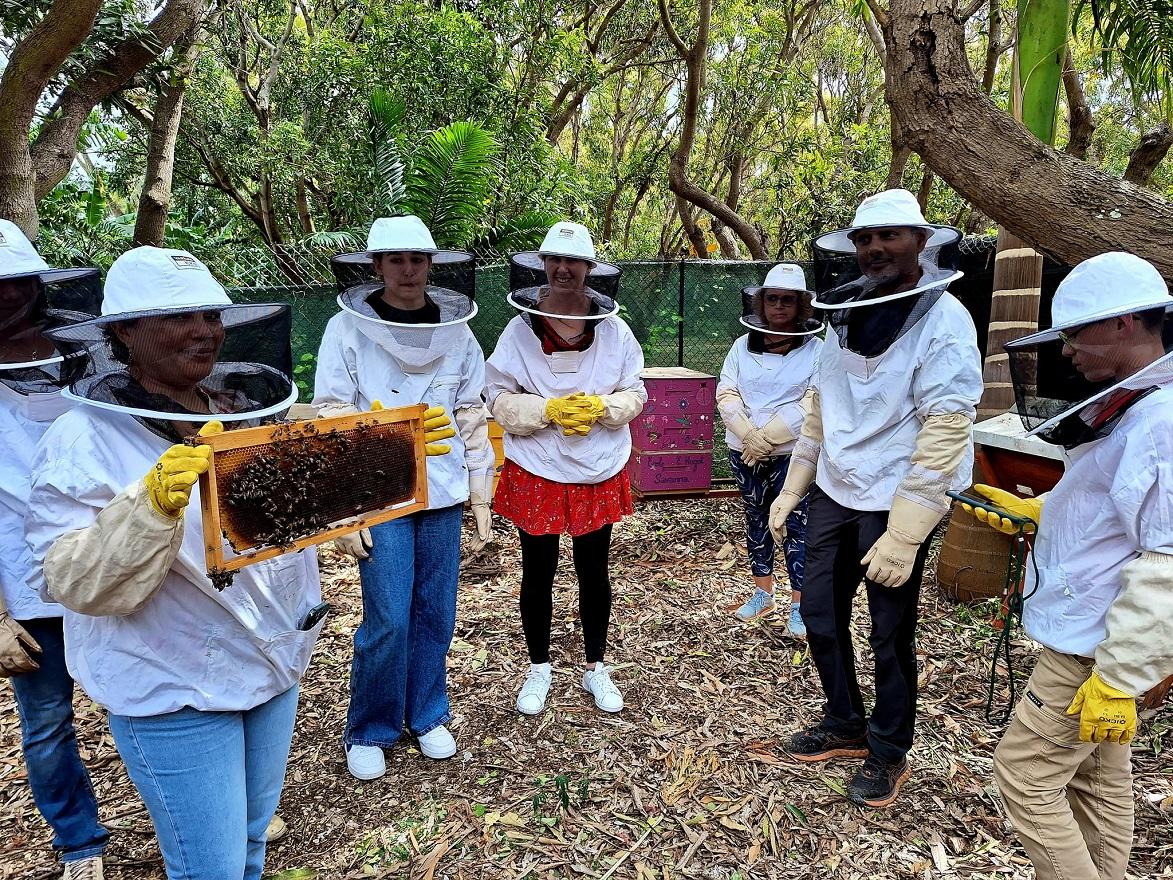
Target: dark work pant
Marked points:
837	538
539	564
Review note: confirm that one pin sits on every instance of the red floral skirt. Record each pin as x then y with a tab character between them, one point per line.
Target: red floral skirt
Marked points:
539	506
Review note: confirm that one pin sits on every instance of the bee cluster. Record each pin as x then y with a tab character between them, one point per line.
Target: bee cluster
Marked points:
304	480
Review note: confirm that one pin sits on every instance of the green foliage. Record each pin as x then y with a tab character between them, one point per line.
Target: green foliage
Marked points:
1137	37
1042	41
451	174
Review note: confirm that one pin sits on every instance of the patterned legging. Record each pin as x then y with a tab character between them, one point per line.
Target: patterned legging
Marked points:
759	486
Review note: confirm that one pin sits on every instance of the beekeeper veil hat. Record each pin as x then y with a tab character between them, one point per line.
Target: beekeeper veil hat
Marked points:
420	341
171	347
35	298
1108	346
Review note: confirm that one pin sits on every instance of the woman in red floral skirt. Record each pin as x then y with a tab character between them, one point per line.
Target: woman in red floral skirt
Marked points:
564	381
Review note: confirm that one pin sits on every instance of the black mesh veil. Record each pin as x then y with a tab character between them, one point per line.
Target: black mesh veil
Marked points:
452	270
172	368
527	285
31	307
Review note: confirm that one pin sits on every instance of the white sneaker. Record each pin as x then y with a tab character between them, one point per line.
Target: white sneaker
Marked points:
277	829
365	762
437	743
532	698
598	683
84	869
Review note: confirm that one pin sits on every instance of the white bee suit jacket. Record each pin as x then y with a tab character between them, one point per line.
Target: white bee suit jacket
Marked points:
1104	551
187	644
873	408
357	365
767	385
609	367
23	420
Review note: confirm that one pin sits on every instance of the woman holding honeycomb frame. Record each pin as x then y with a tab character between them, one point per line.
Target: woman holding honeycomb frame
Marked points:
201	685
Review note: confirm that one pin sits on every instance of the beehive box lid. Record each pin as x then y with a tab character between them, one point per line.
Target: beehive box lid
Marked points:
673	373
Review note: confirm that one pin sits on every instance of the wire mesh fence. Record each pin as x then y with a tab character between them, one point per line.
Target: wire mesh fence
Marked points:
683	312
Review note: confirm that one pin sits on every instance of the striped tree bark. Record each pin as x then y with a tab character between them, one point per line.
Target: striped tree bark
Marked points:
1014	312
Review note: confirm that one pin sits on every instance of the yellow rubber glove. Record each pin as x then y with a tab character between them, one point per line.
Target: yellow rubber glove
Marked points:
170	481
1105	713
582	411
437	427
1031	508
559	409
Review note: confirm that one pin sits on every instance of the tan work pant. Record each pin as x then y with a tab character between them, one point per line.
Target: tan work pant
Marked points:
1070	801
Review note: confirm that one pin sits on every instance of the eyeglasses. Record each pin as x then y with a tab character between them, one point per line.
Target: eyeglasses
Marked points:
1068	339
780	299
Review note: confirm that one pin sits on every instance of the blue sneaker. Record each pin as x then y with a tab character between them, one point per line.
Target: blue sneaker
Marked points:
796	627
760	604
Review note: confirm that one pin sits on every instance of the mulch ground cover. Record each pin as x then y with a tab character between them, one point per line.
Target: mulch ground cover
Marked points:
688	781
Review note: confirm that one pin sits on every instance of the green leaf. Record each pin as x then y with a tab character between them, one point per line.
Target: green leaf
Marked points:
1042	43
450	181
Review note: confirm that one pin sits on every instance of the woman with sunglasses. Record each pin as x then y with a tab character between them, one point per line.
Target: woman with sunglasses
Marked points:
763	382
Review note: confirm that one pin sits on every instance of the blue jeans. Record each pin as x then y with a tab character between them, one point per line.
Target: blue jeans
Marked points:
61	787
211	782
399	674
759	486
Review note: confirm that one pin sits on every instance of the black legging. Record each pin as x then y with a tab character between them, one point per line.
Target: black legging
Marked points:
539	564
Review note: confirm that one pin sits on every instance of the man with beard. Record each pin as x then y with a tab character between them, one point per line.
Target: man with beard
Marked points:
888	436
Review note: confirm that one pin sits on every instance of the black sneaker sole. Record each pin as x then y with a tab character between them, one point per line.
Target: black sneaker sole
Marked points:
829	754
881	803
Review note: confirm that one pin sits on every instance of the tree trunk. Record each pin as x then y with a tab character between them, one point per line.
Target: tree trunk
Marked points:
1143	161
695	58
1079	116
1014	312
56	145
692	230
31	64
1059	204
150	225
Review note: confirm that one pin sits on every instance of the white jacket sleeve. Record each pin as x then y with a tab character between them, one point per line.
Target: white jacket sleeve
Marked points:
336	375
116	565
810	439
627	400
471	416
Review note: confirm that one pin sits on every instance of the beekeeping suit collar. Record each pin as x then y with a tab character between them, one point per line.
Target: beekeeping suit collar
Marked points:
1055	400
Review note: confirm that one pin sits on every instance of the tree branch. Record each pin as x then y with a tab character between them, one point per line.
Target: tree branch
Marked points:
56	145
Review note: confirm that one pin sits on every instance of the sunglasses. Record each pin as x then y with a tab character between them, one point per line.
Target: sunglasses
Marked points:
781	299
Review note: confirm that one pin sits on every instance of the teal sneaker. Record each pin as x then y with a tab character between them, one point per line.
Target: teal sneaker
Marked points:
795	626
760	604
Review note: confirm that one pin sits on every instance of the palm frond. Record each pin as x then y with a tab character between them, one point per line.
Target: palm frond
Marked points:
385	115
450	179
1136	36
336	240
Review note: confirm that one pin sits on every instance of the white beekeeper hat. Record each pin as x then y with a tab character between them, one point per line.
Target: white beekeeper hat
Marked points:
568	239
19	259
784	276
406	233
1049	389
892	207
1107	286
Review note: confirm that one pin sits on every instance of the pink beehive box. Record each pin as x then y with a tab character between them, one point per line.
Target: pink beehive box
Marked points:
679	413
670	471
